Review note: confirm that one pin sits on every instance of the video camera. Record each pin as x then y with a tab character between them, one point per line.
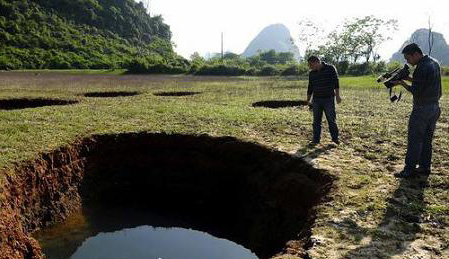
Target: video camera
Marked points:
397	74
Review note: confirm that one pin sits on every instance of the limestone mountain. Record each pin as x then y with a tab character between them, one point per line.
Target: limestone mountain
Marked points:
440	49
276	37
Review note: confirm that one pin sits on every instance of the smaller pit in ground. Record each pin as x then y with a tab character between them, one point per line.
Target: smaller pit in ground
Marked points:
110	94
23	103
175	93
280	104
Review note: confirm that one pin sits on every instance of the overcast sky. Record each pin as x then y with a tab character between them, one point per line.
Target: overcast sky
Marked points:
197	24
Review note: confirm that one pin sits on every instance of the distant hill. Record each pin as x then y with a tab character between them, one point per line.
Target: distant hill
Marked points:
440	49
276	37
67	34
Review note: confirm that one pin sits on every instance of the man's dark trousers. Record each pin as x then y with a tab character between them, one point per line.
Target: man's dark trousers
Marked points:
421	128
328	106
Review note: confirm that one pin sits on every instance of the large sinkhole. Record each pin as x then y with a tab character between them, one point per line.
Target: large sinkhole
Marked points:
160	187
23	103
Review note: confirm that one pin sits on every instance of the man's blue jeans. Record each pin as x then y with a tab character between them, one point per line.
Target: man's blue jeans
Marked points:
421	128
328	106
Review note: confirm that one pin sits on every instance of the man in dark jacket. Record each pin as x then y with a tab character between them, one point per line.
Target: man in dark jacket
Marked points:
426	90
324	87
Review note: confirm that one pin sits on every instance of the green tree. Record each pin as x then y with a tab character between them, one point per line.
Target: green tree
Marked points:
81	34
362	36
197	58
286	57
231	56
269	56
356	38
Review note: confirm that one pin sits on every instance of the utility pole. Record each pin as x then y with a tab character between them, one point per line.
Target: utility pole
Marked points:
430	37
221	46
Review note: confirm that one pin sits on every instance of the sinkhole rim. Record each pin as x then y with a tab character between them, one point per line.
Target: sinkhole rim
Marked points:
111	94
66	165
176	93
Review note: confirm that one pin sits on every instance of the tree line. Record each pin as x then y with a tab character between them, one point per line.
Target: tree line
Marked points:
80	34
109	34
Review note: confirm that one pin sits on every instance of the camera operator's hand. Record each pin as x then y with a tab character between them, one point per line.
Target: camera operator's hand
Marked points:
404	84
399	82
338	99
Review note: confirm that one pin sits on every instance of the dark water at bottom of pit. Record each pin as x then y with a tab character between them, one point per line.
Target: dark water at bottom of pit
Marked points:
114	234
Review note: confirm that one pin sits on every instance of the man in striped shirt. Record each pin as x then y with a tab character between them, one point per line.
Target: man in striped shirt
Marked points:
324	87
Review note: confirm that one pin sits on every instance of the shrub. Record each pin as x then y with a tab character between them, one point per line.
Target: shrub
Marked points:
251	72
165	69
342	67
445	71
178	64
138	66
268	70
194	68
9	63
59	62
143	66
101	64
379	67
221	70
359	69
393	65
295	70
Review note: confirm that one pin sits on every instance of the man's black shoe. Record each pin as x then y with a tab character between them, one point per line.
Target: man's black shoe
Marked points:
336	141
403	174
313	143
423	171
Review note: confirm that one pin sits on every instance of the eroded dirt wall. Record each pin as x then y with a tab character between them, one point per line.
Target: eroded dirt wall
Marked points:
271	193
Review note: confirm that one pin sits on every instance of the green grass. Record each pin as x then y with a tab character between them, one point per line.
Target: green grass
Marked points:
373	132
74	71
369	82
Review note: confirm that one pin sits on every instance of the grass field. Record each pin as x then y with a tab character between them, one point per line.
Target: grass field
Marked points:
370	212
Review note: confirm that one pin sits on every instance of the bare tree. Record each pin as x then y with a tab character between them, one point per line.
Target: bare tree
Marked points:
310	35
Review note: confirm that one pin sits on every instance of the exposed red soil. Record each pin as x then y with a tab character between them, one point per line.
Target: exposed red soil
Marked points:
270	194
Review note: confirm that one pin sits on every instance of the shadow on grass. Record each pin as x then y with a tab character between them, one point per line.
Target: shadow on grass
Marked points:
399	225
280	104
311	152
